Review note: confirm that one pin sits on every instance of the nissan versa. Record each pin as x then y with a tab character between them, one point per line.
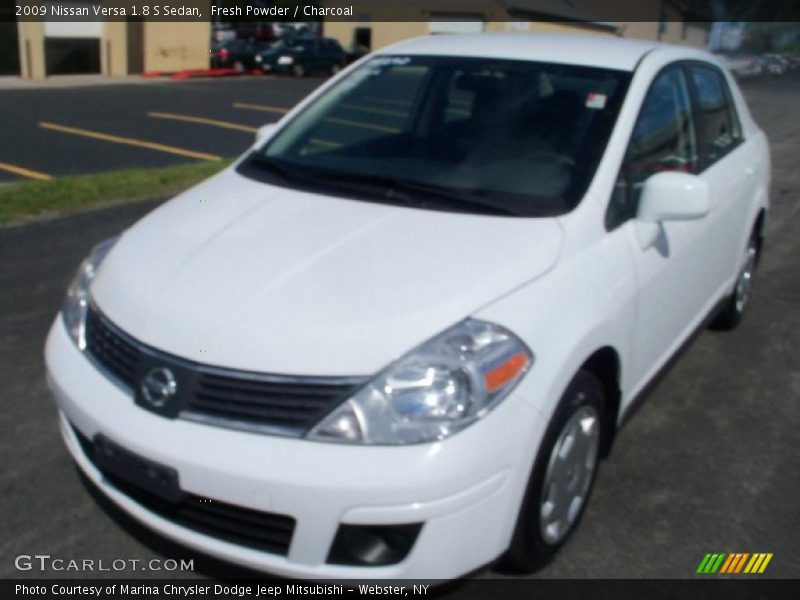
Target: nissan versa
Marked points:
395	338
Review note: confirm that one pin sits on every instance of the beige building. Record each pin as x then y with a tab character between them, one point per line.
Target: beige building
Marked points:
112	48
377	24
39	49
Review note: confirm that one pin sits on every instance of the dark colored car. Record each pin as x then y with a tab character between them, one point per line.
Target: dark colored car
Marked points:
262	32
301	56
236	54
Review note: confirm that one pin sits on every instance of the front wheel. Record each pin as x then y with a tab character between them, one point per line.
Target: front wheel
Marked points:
562	476
738	301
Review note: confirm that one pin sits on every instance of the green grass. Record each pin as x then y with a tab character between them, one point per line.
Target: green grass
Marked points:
26	200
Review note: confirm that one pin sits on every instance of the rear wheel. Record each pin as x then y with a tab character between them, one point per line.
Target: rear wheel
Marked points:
738	301
562	476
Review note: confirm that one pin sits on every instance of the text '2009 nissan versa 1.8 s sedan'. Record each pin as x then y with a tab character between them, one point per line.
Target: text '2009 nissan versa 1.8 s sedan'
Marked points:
396	337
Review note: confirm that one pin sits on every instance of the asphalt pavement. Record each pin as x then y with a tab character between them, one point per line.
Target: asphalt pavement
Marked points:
67	130
710	463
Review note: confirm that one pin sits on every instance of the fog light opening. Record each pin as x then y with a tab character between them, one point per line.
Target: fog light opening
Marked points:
373	545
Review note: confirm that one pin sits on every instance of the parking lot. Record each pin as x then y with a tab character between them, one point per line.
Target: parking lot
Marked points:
59	131
710	462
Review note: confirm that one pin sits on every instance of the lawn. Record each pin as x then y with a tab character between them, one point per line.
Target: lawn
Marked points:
26	200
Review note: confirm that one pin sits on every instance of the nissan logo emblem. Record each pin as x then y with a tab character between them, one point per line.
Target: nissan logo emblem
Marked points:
159	386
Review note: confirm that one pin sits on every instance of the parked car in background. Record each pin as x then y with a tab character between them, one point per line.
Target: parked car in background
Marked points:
403	336
742	67
222	32
262	32
236	54
773	64
301	56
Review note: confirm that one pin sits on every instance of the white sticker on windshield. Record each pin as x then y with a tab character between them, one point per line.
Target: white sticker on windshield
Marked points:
390	61
596	101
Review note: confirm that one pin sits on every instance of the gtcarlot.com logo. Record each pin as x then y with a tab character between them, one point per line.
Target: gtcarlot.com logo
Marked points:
45	562
734	563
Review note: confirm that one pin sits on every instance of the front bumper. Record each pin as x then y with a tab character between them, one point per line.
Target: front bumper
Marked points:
466	490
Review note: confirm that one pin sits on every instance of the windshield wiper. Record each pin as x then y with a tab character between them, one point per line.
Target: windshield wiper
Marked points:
458	197
386	188
261	161
392	188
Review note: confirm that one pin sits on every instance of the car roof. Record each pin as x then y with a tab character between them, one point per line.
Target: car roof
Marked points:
588	50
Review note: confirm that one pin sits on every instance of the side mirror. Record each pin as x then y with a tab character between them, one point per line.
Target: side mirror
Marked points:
670	196
674	196
264	133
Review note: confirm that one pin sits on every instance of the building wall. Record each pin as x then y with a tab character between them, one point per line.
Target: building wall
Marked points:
31	49
171	47
385	33
641	30
114	49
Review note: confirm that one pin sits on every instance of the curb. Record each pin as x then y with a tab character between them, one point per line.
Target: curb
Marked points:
189	73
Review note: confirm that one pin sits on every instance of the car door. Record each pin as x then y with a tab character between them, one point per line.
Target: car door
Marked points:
678	275
728	166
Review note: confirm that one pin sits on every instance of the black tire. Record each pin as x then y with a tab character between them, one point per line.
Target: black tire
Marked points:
736	304
335	68
238	66
299	70
529	550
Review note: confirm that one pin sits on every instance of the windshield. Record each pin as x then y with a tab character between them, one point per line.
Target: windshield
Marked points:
512	137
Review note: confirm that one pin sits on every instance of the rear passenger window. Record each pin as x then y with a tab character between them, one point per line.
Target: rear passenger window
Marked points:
719	131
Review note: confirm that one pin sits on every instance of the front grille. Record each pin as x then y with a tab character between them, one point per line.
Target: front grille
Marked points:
263	531
226	397
112	351
293	406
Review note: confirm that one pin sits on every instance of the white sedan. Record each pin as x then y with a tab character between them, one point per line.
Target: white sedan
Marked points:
397	336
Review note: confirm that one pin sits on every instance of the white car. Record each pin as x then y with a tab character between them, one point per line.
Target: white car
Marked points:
396	337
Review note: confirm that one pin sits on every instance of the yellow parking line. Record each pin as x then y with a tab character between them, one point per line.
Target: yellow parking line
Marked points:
350	123
129	141
202	121
388	100
24	172
261	107
377	111
328	143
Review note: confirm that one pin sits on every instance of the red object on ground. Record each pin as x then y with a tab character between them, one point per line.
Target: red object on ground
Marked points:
187	73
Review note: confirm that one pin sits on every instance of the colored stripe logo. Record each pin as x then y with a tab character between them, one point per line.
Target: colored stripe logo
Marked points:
734	563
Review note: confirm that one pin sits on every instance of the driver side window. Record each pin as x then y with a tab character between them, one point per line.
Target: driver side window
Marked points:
663	139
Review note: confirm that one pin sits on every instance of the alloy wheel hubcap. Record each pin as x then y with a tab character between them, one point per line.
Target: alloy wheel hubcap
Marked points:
573	461
745	283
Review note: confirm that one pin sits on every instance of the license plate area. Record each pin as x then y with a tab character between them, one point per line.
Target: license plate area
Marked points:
148	475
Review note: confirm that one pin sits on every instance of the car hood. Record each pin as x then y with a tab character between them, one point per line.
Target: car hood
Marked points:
246	275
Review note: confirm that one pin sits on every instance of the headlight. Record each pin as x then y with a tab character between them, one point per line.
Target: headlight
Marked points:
285	60
76	302
434	391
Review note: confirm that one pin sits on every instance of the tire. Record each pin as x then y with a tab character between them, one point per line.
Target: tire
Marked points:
299	70
735	305
238	66
538	537
335	68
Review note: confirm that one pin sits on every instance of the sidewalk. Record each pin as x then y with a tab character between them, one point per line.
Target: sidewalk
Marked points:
66	81
9	82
